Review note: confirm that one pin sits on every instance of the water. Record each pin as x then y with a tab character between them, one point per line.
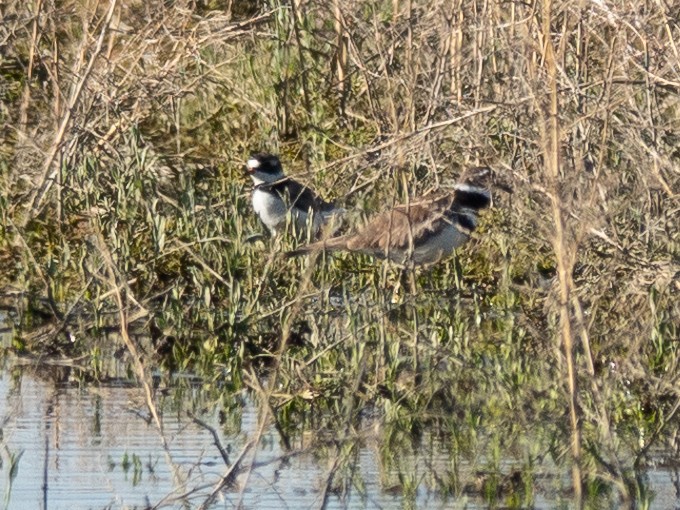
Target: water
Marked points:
91	446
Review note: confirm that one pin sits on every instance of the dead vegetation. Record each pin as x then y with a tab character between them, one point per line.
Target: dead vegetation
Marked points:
128	123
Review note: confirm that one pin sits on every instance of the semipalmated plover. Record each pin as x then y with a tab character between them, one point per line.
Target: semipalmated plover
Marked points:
275	195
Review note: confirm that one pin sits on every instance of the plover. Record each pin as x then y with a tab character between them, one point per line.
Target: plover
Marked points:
421	232
275	195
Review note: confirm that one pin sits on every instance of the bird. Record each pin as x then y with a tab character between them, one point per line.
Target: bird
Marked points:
275	195
421	232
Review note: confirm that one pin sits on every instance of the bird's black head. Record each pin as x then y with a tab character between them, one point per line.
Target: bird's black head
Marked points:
264	167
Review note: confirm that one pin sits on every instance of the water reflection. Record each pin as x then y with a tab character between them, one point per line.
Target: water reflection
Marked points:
92	446
89	445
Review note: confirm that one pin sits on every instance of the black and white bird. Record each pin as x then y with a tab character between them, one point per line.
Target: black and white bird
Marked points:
421	232
275	195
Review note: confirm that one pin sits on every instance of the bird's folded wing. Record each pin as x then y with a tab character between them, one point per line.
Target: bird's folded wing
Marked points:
403	226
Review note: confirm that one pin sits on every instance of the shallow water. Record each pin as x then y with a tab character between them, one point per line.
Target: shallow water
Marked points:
90	446
73	442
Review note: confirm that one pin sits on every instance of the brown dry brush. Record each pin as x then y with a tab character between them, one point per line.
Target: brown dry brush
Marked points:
576	103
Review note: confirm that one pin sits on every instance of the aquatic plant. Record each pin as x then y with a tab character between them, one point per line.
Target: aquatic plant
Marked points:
550	339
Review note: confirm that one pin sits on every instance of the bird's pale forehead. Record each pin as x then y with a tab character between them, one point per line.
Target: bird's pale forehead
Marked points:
470	188
253	163
479	172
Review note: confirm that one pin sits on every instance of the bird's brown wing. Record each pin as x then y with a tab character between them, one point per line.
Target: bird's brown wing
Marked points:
402	227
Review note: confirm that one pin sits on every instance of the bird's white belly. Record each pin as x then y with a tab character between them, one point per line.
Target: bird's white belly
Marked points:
272	210
434	249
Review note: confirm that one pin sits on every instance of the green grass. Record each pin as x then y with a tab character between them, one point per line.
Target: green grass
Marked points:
474	356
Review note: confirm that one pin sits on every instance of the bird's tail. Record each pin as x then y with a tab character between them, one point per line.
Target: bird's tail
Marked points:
333	244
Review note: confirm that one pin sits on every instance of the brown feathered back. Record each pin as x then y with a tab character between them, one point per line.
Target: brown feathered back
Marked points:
397	232
402	226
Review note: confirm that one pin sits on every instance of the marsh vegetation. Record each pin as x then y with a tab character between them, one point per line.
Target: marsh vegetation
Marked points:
550	339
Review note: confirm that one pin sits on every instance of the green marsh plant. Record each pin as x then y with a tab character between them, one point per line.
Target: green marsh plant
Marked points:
548	343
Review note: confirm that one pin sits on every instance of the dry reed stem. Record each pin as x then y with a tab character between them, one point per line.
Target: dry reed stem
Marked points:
138	365
298	20
46	180
563	253
341	57
228	476
26	100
